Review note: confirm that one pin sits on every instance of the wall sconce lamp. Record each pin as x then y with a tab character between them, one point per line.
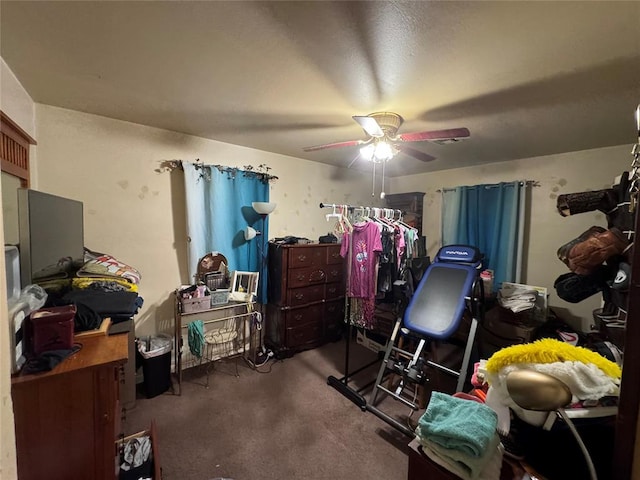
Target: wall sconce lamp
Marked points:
250	233
263	208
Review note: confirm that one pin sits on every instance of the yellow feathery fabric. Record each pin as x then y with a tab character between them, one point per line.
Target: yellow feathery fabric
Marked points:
86	282
549	350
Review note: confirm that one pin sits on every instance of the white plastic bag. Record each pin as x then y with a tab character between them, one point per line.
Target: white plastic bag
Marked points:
156	345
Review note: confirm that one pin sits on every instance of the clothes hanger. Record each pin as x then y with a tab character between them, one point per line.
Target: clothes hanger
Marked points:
381	215
333	214
359	215
345	219
399	221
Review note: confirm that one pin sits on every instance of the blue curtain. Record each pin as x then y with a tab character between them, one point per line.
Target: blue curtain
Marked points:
218	210
490	217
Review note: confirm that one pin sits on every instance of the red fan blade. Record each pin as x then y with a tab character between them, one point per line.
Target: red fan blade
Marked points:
350	143
434	135
369	125
424	157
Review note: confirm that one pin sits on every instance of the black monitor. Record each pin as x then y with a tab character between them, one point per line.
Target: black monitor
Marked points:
51	236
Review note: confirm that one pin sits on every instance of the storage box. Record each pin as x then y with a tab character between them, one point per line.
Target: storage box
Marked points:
219	297
502	328
362	338
51	329
192	305
150	468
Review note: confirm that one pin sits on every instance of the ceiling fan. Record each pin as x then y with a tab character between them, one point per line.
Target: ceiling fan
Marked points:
384	142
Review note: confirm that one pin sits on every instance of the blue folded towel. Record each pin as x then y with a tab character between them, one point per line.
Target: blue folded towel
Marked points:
458	424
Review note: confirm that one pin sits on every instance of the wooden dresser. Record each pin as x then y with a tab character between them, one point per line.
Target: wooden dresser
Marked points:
306	296
68	419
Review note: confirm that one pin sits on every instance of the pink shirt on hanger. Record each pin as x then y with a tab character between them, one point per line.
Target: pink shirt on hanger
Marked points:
364	259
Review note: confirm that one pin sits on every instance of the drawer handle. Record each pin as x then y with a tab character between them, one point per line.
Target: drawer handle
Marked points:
300	277
332	308
302	257
334	273
317	275
299	296
298	316
333	290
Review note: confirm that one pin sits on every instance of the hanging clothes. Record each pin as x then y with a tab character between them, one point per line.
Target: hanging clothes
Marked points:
362	246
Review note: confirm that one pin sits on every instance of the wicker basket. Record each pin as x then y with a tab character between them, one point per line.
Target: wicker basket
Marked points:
215	280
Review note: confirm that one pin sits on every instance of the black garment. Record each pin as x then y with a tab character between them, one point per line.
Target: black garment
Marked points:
574	288
48	360
86	318
106	303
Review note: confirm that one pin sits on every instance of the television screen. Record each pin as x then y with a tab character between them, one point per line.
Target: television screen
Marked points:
51	236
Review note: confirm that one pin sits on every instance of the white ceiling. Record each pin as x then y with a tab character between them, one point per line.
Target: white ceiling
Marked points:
526	78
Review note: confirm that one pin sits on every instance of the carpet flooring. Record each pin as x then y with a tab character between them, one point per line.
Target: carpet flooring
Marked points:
284	424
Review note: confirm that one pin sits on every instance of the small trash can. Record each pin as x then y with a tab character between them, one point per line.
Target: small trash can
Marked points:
156	363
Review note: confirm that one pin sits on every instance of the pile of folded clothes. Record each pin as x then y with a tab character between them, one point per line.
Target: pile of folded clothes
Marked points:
517	298
103	288
459	434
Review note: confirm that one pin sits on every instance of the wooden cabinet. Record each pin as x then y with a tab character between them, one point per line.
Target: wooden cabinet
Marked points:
68	419
306	296
411	206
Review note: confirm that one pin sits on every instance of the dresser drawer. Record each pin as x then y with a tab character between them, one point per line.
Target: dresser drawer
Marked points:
333	318
334	290
304	326
304	295
304	335
334	272
302	277
333	255
300	316
306	257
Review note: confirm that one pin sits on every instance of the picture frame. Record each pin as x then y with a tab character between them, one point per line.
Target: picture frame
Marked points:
244	286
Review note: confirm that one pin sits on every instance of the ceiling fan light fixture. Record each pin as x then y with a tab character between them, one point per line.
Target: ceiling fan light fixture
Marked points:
384	141
383	151
368	151
380	151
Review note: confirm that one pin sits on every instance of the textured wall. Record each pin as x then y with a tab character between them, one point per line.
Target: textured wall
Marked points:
135	213
547	230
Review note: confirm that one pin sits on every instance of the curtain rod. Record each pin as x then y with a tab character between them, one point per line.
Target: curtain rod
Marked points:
530	183
353	207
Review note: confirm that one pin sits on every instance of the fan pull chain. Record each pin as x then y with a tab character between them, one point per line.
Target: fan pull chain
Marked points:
382	194
373	186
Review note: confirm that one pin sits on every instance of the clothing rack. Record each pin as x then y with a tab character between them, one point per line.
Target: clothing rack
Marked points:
342	384
351	208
